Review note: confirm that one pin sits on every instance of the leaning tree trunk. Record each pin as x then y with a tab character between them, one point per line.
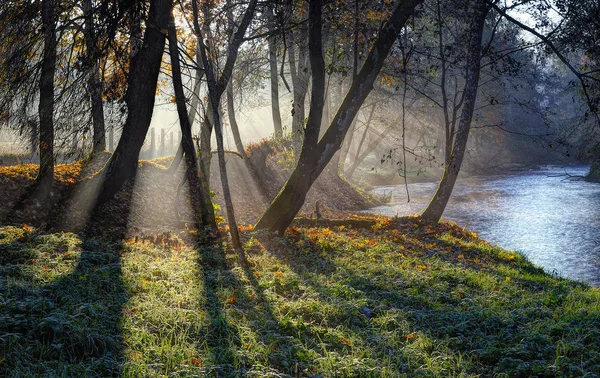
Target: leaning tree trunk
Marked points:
198	189
94	80
438	203
290	199
140	96
46	105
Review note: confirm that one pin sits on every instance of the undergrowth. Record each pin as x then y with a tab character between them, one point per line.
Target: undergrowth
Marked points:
398	299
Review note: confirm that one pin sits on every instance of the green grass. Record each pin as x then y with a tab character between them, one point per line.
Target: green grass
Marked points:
398	300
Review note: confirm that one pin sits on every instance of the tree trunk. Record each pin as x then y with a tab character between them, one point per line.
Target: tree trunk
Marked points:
274	79
438	203
300	85
192	112
205	152
140	97
199	191
46	105
94	80
215	91
233	122
290	199
594	174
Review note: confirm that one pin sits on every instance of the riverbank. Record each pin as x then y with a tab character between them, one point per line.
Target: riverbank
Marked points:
376	297
543	213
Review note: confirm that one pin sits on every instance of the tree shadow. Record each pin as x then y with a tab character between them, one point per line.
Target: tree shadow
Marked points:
62	297
454	318
232	290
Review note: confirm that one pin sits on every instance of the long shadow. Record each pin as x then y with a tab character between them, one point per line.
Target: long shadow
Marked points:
493	336
223	340
62	297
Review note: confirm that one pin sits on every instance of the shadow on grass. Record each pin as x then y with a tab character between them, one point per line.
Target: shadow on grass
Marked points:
442	319
244	335
61	301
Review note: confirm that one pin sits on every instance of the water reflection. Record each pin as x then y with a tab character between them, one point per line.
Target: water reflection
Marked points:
552	220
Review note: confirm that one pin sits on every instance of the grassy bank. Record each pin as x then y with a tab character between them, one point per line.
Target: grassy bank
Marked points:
397	298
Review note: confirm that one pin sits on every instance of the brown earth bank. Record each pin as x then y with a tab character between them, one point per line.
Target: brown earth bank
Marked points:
152	203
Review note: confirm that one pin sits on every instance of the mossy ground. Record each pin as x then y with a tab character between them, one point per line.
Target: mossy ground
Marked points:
397	299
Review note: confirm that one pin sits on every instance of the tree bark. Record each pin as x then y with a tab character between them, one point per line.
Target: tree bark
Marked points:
94	80
290	199
274	79
199	191
140	96
300	80
233	121
45	175
438	203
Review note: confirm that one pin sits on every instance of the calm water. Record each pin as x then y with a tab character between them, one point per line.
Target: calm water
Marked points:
552	220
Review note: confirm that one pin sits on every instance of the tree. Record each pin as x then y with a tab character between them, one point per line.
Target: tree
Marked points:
198	188
271	40
46	104
572	35
436	206
315	155
216	87
141	89
94	78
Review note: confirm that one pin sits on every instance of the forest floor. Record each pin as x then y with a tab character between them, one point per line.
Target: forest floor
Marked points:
375	297
133	294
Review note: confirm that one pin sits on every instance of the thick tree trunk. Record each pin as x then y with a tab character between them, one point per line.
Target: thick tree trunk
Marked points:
290	199
199	191
438	203
94	80
141	90
46	105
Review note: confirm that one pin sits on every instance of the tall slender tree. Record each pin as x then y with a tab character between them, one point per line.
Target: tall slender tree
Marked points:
46	104
94	81
216	87
438	203
199	193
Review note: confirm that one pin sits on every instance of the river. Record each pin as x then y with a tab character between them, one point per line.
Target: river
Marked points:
553	220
